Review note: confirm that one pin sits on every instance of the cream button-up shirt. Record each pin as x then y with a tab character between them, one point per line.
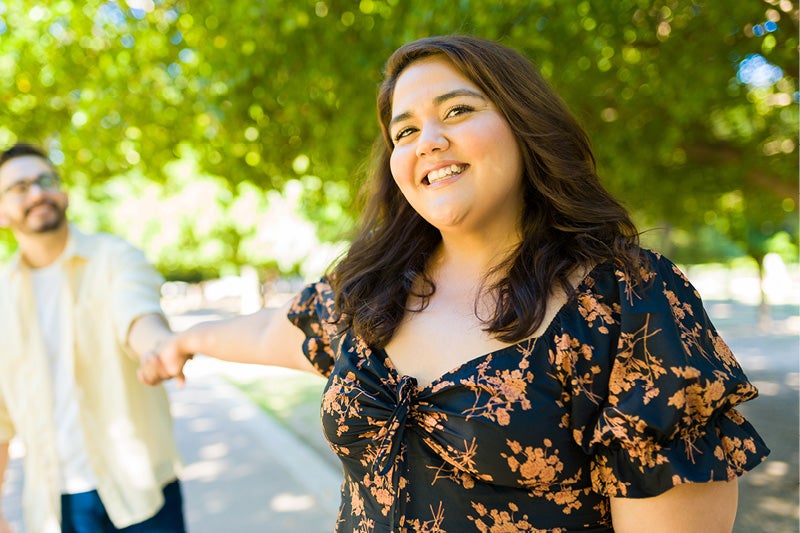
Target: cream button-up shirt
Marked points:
127	426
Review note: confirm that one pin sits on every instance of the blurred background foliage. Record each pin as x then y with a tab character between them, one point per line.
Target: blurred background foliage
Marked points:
221	134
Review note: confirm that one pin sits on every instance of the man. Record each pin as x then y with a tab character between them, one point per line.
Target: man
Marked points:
77	311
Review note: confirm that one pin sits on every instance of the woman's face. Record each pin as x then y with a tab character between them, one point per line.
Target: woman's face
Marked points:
455	157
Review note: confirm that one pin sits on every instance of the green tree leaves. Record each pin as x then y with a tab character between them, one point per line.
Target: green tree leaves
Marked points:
271	92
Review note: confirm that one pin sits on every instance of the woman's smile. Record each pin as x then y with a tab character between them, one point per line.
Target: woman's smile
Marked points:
444	172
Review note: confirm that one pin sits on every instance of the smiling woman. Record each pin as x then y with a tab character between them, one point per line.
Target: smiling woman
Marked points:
455	158
500	353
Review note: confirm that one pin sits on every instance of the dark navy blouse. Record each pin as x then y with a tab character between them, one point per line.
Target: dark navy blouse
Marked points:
629	392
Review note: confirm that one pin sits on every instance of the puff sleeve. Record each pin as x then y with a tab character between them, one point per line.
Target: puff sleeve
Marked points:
665	413
311	311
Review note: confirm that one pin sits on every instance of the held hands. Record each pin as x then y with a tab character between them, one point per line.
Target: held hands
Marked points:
164	362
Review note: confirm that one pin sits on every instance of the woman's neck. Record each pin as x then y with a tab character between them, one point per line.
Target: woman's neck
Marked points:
472	257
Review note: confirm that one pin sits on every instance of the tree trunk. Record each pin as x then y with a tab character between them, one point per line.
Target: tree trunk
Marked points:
763	304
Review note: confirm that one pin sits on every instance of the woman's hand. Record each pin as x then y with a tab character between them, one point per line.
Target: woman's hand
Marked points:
163	363
251	339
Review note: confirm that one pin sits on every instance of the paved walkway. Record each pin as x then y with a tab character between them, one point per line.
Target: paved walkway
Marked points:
245	473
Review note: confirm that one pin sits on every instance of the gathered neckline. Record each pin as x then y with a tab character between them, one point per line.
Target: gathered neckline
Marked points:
555	322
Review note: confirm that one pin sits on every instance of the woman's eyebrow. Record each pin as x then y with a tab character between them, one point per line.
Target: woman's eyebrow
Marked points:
438	101
458	92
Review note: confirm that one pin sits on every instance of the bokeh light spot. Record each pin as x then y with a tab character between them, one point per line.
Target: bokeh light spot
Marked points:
609	114
186	55
251	134
756	71
301	163
79	119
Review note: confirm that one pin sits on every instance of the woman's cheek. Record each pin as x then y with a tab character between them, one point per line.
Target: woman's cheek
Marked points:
398	165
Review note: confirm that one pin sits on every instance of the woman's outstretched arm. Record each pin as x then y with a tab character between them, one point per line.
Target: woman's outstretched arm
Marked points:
265	337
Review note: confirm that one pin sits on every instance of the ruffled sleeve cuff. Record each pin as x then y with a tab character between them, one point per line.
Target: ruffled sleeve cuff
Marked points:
311	311
630	460
668	415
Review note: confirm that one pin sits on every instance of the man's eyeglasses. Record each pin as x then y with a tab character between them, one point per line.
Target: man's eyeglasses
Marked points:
46	181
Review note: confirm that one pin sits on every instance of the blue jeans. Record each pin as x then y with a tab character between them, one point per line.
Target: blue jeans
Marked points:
85	513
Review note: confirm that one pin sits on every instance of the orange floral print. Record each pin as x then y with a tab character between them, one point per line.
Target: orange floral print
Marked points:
432	525
502	521
497	393
630	393
540	474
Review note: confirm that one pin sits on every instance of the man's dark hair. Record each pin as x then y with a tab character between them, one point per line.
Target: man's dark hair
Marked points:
22	149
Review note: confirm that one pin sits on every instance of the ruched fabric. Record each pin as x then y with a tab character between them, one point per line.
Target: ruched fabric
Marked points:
629	392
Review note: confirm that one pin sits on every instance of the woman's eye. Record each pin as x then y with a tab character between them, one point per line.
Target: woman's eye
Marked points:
458	110
405	132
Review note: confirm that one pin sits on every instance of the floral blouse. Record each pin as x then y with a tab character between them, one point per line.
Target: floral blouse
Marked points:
629	392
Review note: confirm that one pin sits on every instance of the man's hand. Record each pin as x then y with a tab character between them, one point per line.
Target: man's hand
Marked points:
166	362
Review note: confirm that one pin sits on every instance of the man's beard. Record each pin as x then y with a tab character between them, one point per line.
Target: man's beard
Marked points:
50	224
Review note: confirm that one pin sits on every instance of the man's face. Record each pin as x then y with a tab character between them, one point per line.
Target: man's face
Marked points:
31	201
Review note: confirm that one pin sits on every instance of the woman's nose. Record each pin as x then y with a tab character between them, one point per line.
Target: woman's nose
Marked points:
431	139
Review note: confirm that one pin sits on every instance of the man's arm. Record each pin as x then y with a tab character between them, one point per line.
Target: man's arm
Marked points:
148	333
687	508
135	294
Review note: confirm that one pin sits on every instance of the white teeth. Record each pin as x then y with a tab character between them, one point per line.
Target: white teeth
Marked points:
440	174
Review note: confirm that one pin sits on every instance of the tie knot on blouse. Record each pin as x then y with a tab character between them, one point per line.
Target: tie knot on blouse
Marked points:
390	437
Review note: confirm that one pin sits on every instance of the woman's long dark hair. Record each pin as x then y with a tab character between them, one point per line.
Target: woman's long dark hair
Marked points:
569	218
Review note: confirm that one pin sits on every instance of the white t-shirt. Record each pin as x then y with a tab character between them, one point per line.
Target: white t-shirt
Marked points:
76	472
